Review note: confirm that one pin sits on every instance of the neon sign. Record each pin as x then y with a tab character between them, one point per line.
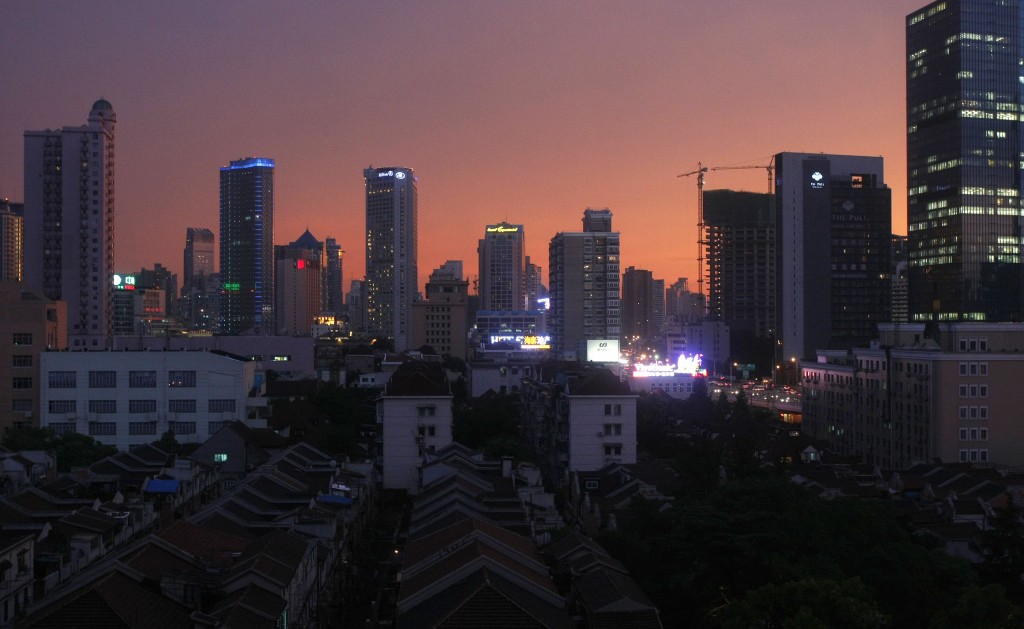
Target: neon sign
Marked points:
502	229
689	365
524	341
123	282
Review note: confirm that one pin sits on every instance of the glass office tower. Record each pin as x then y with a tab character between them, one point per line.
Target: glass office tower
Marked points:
964	97
247	246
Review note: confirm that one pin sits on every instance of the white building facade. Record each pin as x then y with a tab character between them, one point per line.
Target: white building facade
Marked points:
130	398
415	417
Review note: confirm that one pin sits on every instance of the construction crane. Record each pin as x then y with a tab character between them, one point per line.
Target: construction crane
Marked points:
701	170
701	241
770	167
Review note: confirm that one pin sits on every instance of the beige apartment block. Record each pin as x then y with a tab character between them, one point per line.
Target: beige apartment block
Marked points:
30	323
949	392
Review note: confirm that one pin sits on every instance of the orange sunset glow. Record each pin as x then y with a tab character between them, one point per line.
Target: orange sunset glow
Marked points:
527	112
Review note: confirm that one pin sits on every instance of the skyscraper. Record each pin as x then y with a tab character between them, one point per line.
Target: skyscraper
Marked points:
584	277
391	271
534	285
637	307
198	253
197	269
833	226
247	246
69	221
502	253
298	278
740	253
12	229
334	286
964	100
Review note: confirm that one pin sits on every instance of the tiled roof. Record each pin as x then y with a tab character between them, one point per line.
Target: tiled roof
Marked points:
417	379
89	520
251	607
205	540
114	601
484	599
154	561
610	591
599	382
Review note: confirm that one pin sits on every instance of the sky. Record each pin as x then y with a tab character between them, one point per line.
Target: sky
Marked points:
518	110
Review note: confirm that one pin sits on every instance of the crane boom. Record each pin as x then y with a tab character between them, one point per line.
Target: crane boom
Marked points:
701	239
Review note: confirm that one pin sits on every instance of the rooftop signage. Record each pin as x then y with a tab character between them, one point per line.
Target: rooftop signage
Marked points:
686	365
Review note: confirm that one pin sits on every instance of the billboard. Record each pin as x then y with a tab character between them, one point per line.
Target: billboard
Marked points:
603	350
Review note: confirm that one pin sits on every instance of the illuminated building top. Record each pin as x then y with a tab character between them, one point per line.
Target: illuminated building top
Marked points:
249	162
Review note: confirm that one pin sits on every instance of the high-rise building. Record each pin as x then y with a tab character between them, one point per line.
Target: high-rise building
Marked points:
584	277
391	271
683	306
900	279
160	278
198	262
503	268
298	279
355	306
740	253
334	285
247	246
12	217
964	143
69	221
535	289
637	307
657	307
834	231
441	320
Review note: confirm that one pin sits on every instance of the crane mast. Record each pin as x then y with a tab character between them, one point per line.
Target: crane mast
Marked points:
700	172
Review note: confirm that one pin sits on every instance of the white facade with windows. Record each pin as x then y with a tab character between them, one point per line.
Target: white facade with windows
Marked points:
602	430
415	417
131	398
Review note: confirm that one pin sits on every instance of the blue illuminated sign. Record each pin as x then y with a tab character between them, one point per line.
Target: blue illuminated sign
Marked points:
252	162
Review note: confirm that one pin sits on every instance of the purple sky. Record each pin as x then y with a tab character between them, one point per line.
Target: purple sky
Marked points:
517	110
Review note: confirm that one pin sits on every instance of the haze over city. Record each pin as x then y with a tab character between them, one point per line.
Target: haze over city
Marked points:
527	112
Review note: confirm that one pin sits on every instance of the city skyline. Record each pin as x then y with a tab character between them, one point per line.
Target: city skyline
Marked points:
553	111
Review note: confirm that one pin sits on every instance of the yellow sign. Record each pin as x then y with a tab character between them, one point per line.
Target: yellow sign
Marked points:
502	229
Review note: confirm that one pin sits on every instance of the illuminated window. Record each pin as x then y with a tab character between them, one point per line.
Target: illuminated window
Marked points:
21	338
181	378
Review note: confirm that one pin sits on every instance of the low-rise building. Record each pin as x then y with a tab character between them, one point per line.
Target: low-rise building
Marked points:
415	416
131	398
30	323
921	393
582	419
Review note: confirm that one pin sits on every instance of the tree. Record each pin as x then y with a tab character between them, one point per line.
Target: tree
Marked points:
805	603
71	449
1003	545
168	443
